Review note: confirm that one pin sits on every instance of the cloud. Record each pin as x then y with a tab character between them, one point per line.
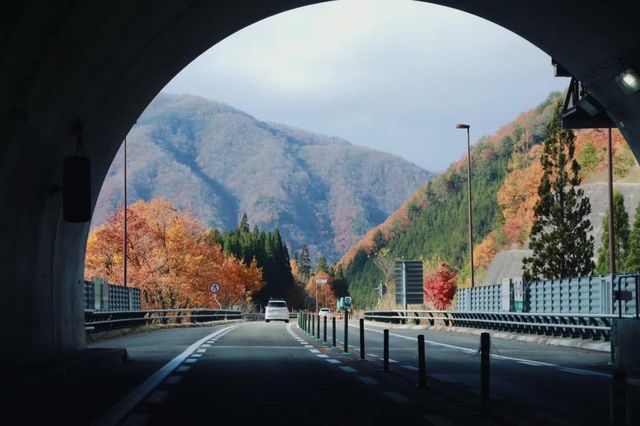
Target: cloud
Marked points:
389	74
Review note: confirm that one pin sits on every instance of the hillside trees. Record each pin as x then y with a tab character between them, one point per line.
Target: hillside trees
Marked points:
269	253
171	257
559	240
621	234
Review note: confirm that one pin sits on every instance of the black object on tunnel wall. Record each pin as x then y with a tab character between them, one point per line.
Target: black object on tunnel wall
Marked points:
76	189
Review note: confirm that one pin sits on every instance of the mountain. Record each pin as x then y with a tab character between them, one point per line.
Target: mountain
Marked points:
432	224
219	162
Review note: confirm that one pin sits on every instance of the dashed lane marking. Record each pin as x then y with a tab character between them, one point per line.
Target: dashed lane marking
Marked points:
314	351
368	380
322	356
201	351
191	360
183	368
582	372
396	397
348	369
196	355
173	380
333	361
119	411
410	367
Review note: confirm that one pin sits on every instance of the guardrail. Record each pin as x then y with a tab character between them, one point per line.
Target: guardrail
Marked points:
585	326
109	320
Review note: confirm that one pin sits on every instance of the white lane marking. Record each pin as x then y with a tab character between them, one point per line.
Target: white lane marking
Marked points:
205	345
396	396
308	346
173	380
322	356
304	342
368	380
183	368
333	361
201	351
118	412
254	347
393	361
410	367
374	355
157	397
191	360
348	369
534	364
314	351
196	355
582	372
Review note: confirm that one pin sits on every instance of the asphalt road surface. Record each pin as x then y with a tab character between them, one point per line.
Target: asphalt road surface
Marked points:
263	374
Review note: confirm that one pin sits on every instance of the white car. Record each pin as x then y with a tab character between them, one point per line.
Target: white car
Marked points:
324	312
276	310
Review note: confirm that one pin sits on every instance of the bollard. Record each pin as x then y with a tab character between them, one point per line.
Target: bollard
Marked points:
318	329
346	331
361	338
313	324
385	346
619	398
333	330
485	347
325	329
422	368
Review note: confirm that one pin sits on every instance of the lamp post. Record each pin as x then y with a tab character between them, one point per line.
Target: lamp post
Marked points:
466	127
124	240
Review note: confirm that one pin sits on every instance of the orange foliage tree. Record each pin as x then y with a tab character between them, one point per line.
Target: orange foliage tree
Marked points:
440	286
170	257
326	293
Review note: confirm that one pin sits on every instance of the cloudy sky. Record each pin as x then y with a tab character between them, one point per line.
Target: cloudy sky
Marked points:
392	75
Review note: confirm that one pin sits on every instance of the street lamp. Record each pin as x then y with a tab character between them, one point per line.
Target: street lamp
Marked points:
466	127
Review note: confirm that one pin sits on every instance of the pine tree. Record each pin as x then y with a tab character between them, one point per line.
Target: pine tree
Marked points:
243	226
305	264
559	235
322	265
378	241
633	259
621	227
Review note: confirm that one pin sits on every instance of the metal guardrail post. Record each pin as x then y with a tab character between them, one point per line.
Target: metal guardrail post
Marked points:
346	331
422	369
362	338
333	330
325	329
619	398
485	347
385	350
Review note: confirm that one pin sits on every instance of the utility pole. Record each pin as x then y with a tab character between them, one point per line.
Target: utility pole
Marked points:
124	246
612	238
466	127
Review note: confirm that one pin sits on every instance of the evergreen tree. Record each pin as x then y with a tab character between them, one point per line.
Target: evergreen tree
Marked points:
559	240
378	241
621	227
305	264
243	226
633	259
322	265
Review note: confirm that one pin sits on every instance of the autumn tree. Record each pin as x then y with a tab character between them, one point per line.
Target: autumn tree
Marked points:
171	257
439	286
559	236
324	294
633	260
621	234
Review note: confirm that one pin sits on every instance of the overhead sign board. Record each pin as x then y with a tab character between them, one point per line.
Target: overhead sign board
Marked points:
321	281
408	276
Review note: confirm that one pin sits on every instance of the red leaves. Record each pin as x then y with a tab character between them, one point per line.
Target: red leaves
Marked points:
439	287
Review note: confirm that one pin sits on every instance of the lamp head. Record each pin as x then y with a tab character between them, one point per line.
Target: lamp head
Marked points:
462	126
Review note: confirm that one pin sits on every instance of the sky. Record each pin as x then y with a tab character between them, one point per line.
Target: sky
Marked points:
392	75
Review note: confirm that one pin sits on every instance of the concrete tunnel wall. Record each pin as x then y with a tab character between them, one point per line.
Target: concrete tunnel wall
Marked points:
101	63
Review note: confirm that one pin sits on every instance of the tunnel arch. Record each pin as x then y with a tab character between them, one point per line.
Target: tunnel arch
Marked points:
101	63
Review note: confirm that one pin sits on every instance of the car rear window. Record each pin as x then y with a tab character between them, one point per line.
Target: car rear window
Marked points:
277	305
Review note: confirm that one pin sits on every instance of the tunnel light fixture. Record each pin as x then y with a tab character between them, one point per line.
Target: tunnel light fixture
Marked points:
628	81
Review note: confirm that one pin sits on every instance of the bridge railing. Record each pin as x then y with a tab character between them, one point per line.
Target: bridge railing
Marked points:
584	326
109	320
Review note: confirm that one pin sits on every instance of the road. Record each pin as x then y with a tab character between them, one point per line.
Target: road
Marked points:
259	373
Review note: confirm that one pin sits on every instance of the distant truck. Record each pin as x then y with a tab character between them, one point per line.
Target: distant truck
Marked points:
344	304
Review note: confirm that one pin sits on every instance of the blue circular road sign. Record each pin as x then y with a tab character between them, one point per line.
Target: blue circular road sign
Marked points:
215	288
